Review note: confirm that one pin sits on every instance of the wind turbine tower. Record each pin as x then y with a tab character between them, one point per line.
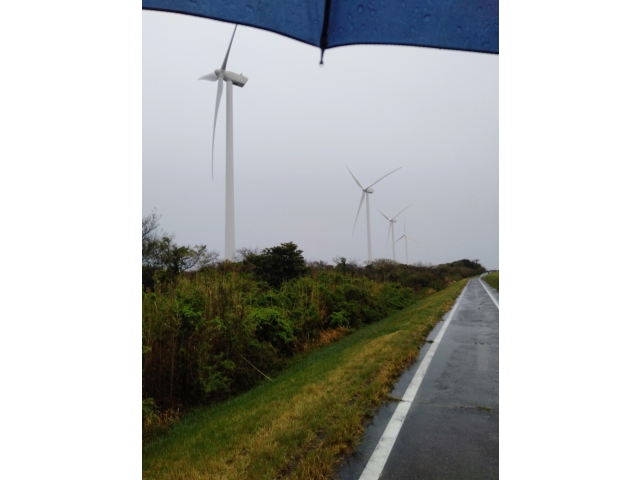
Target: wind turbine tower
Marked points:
406	246
365	193
391	233
221	76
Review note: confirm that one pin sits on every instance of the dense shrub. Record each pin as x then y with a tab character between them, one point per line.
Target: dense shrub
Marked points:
211	330
277	264
213	334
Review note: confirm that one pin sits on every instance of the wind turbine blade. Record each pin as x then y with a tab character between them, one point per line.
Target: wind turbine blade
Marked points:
354	177
401	212
359	207
411	238
400	238
215	119
384	176
212	77
383	214
224	64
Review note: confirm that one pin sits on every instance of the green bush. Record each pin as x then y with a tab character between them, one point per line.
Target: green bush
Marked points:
271	326
218	330
213	334
278	264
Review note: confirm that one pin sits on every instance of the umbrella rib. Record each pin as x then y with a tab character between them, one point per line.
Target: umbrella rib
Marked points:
325	29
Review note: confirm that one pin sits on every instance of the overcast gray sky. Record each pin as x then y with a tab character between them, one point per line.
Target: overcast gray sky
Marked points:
297	125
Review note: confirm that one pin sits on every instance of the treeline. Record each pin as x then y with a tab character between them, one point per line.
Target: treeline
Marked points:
212	329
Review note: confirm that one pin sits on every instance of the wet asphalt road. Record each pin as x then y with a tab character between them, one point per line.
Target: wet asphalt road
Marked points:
451	428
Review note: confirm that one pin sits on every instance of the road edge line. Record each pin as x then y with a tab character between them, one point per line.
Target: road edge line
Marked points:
488	292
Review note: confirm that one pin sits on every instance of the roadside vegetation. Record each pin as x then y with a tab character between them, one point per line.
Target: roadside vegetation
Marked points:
493	279
212	330
301	424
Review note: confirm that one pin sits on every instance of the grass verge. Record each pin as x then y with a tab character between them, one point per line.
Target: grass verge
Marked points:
303	423
493	279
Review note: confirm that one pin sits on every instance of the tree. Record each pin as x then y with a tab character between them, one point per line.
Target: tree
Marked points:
318	265
345	265
149	224
176	259
246	252
277	264
160	253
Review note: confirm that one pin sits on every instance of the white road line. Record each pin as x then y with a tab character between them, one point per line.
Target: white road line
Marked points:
378	459
485	287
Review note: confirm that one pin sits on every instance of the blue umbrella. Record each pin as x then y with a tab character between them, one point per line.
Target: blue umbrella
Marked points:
470	25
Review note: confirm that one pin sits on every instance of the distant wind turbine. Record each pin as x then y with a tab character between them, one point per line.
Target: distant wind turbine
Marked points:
365	193
222	75
391	230
406	246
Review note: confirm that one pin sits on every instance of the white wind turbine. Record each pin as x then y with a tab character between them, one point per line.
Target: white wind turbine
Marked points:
365	193
406	246
222	75
392	221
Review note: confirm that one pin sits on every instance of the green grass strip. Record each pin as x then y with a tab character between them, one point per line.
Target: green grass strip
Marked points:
493	279
304	422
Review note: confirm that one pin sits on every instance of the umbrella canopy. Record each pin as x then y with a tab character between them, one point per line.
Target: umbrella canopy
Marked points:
470	25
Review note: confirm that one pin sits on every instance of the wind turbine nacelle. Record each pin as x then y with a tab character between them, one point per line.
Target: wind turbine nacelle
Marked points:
236	79
369	190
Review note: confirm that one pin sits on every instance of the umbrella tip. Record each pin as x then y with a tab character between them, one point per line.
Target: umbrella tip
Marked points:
321	56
